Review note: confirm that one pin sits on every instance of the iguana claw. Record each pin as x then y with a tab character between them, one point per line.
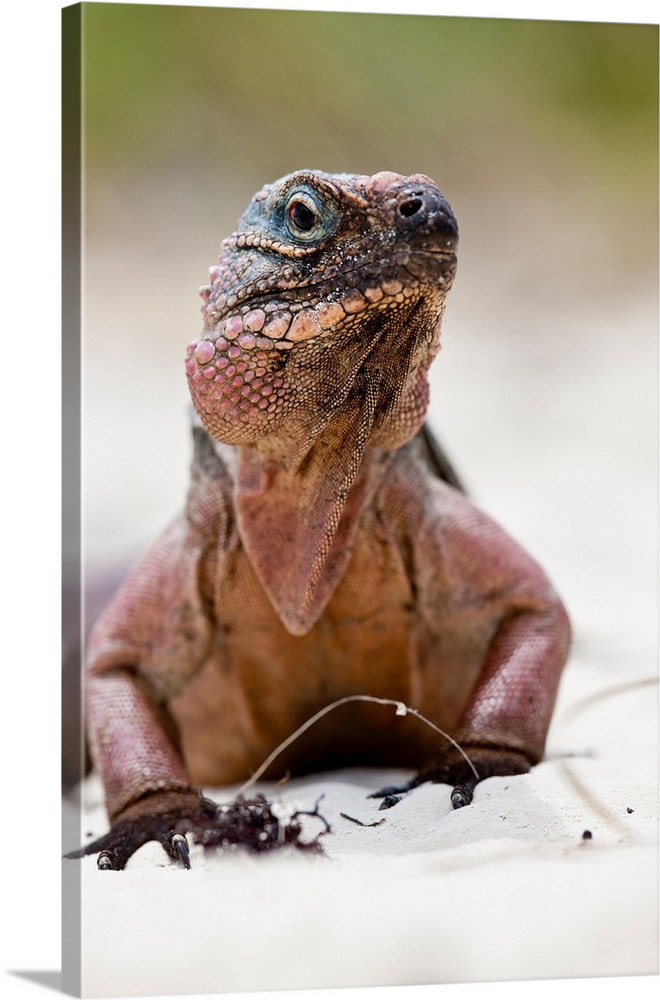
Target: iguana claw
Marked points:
180	846
389	801
392	791
392	794
462	795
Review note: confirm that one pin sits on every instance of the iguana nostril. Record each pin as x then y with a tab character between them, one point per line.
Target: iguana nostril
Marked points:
410	207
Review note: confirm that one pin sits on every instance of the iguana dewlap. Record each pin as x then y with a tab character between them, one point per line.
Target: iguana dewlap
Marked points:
321	553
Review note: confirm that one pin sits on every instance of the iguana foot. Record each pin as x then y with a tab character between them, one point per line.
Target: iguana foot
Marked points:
163	817
391	794
451	768
253	824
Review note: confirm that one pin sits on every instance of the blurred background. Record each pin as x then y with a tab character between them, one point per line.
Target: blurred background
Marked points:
543	136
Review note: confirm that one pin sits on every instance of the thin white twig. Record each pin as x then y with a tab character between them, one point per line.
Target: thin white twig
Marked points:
401	709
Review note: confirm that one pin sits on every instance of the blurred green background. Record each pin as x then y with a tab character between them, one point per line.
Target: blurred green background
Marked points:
219	92
212	102
542	135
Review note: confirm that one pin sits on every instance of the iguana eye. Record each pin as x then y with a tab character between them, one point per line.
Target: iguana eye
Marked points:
303	216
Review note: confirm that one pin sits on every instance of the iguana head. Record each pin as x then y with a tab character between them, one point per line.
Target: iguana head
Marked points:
329	282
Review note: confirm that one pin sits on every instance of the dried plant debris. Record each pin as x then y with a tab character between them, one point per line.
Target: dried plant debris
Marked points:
259	825
359	822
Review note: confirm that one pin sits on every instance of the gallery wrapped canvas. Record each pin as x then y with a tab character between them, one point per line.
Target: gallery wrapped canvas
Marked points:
359	635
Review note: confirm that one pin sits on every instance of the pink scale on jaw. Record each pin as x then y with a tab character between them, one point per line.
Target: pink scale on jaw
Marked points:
204	352
329	314
304	326
278	325
233	326
353	301
254	320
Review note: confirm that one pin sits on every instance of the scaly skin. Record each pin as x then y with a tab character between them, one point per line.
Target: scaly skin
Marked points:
321	552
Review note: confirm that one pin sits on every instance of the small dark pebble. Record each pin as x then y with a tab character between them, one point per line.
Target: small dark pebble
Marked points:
587	835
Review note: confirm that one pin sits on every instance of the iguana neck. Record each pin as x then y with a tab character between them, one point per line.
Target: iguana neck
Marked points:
297	517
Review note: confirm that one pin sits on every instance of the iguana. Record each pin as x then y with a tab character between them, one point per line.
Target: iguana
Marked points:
326	548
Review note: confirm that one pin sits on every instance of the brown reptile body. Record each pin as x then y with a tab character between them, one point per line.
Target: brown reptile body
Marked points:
320	554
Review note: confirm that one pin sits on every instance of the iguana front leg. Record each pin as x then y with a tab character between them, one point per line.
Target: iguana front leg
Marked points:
469	570
146	646
149	795
503	728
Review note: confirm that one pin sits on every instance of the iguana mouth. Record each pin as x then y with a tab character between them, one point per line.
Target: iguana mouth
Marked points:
371	272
